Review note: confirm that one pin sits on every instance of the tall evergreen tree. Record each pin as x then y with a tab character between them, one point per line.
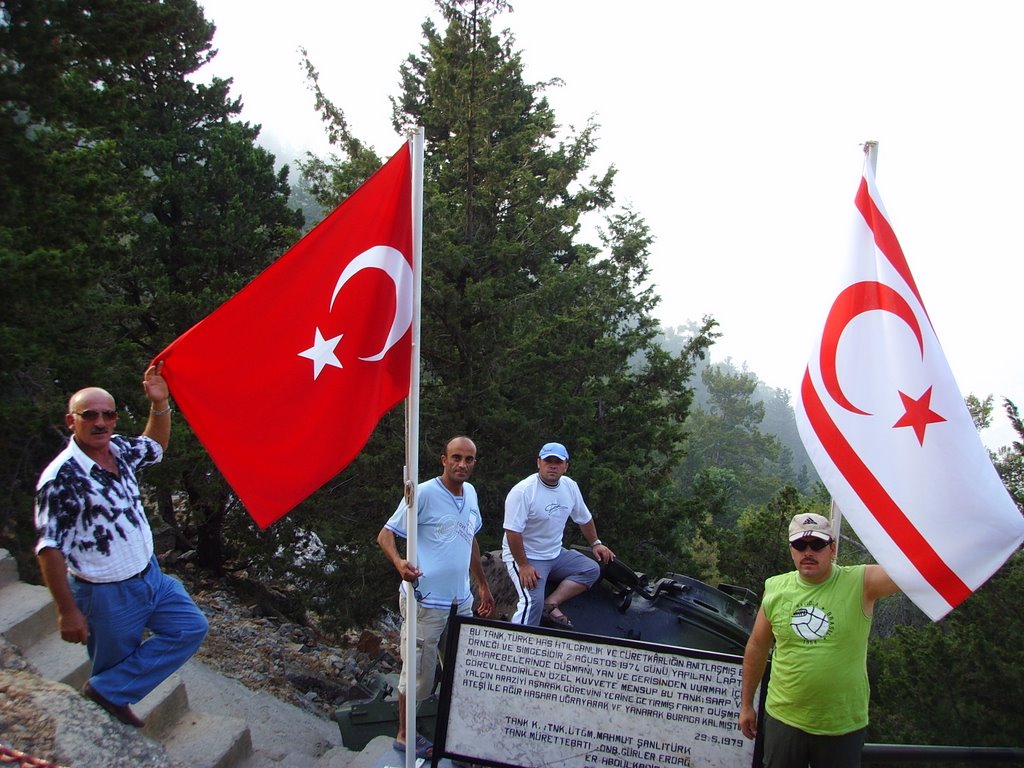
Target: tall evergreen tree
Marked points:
134	203
529	333
528	330
726	435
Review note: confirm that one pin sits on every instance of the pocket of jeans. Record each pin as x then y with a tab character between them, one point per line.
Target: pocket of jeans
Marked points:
82	593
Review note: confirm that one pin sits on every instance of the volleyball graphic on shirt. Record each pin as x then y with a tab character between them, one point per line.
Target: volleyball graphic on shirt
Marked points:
810	623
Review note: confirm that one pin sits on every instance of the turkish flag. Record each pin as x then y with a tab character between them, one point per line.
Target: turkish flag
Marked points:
285	382
888	431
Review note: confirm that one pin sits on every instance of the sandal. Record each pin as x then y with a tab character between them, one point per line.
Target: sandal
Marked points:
424	748
559	620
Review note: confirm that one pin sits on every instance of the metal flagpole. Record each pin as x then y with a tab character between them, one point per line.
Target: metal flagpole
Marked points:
871	153
837	523
835	513
412	441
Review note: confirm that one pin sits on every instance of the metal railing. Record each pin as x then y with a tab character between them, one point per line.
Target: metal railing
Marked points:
921	753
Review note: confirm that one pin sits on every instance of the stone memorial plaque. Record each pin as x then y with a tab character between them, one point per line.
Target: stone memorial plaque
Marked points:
525	696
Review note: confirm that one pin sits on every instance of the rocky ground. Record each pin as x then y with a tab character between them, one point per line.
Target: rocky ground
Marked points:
294	662
250	640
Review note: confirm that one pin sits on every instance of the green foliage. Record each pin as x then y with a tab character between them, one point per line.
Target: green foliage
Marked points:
962	673
529	334
750	550
1009	460
981	411
780	422
725	435
132	205
761	550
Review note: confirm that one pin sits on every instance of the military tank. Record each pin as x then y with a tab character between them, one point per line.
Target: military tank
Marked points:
672	610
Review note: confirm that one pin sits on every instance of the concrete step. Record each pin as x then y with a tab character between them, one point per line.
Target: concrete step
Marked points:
208	741
193	738
217	735
27	613
282	735
8	568
163	707
55	659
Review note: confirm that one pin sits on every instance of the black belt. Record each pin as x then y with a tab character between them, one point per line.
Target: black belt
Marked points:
138	575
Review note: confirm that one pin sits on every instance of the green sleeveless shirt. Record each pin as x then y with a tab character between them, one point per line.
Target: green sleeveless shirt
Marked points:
819	677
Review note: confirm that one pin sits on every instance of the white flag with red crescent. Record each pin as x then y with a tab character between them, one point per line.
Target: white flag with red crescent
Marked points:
888	431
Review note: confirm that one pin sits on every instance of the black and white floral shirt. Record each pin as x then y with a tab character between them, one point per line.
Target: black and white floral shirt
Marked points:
94	517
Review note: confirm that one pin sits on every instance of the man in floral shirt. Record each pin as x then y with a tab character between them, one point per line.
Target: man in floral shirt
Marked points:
95	550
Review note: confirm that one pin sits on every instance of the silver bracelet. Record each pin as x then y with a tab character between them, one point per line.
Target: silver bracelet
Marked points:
161	412
594	543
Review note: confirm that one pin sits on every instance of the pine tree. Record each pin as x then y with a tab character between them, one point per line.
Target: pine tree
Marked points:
530	333
134	203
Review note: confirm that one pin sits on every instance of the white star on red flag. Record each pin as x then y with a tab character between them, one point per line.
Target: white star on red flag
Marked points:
322	352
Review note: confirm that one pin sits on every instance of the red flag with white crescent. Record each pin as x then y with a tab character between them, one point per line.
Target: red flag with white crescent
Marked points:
285	382
890	435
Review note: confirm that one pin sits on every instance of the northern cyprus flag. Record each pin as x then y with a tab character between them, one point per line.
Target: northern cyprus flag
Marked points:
888	431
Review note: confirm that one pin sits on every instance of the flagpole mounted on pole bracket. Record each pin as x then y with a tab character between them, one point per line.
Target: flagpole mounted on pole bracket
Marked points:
871	153
415	137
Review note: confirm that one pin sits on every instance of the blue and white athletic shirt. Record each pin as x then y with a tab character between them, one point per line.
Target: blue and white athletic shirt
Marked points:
539	513
446	527
94	517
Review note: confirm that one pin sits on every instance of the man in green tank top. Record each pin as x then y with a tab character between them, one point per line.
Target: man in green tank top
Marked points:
818	617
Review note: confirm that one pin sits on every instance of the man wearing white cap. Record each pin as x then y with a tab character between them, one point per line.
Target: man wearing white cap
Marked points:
536	510
819	618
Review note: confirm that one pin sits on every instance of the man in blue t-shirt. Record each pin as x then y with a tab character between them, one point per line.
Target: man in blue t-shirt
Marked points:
448	519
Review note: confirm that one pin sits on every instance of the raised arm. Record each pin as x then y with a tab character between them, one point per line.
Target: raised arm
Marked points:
158	427
877	583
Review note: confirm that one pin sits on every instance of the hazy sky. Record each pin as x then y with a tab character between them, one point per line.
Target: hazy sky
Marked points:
736	130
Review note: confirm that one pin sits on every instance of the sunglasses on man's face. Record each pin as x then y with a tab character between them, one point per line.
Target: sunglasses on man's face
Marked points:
801	545
92	415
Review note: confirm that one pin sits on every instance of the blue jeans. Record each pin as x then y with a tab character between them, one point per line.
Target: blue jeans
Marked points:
125	667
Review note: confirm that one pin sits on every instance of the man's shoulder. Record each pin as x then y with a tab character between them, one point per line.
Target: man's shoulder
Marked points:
57	465
569	483
124	442
138	452
779	580
527	482
852	575
431	487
